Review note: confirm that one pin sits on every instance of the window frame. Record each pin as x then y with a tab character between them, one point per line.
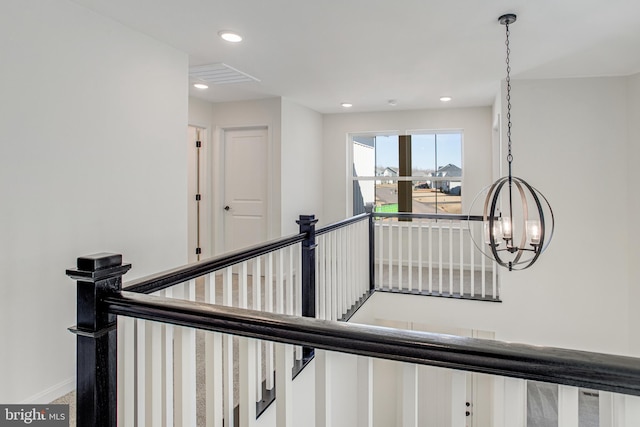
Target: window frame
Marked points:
352	178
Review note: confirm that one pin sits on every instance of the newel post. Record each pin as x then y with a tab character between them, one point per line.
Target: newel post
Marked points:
308	226
372	249
97	276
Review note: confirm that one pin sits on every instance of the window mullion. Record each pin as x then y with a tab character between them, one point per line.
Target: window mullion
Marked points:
405	195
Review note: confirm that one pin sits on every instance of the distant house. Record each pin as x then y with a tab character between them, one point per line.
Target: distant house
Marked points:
390	172
446	185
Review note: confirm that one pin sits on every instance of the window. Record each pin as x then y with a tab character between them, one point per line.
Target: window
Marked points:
420	172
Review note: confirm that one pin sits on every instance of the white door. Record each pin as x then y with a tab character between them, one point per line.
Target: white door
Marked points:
245	187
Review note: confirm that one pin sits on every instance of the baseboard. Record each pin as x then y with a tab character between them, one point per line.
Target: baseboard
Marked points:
52	393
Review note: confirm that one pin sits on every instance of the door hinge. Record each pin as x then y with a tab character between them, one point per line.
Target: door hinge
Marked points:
198	251
198	144
198	197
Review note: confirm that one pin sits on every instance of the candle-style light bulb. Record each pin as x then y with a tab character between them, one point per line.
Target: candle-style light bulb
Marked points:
533	231
497	232
506	228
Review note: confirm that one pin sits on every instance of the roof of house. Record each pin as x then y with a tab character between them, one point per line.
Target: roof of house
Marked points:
390	170
449	170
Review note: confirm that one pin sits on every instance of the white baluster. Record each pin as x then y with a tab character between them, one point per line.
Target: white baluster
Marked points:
126	371
213	363
141	372
353	264
340	273
410	255
169	377
380	230
606	410
450	257
365	391
400	260
227	352
409	397
323	387
155	386
185	365
632	411
420	256
494	279
244	286
458	398
460	234
345	276
269	362
334	278
319	284
289	296
390	261
280	282
298	289
257	305
430	257
322	278
483	261
472	267
256	284
284	385
268	284
440	258
618	410
365	258
510	396
298	280
567	406
247	381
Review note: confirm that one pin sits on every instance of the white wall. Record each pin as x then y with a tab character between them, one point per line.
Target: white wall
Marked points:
475	122
92	158
633	160
200	113
301	164
569	141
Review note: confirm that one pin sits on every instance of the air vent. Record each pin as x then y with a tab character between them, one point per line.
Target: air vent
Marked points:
219	74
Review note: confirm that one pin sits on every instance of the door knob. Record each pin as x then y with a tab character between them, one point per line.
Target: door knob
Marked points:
226	208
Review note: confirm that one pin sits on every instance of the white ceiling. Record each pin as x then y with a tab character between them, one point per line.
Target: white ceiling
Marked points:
321	53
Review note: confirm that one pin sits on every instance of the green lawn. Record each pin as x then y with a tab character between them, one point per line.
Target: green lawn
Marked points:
392	207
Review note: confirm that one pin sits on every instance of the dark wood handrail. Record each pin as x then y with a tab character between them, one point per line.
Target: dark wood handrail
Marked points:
165	279
455	217
340	224
612	373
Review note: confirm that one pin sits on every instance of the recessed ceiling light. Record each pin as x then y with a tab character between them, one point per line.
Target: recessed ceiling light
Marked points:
347	105
230	36
200	86
445	98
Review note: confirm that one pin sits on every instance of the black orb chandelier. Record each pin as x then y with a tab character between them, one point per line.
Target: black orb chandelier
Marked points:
518	220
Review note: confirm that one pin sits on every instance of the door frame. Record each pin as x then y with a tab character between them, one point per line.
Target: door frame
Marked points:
205	191
218	168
